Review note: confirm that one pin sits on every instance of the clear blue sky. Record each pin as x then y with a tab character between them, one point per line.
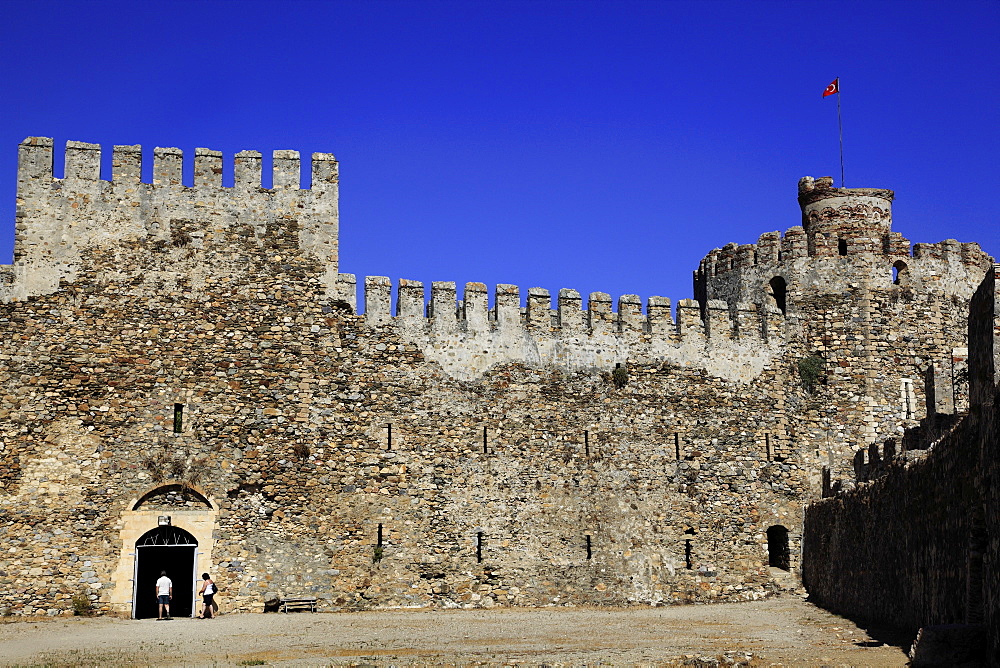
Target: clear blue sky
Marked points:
594	145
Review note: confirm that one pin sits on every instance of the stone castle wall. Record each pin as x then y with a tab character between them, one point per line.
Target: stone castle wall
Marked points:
287	407
447	454
59	219
916	545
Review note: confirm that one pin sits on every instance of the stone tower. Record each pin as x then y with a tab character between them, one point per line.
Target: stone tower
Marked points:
852	291
843	221
59	220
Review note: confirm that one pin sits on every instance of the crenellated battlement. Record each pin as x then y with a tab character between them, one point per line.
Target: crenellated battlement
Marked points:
444	312
467	336
731	329
773	249
57	219
737	319
82	161
846	238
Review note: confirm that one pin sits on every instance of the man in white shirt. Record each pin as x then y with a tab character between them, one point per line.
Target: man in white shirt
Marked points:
164	592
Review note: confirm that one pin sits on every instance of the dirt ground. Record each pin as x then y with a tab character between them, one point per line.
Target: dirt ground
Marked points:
779	632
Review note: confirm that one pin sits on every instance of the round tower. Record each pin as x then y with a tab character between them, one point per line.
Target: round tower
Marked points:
844	221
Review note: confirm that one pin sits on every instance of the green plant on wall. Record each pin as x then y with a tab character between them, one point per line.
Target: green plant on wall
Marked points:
620	377
180	466
377	554
82	606
811	371
152	464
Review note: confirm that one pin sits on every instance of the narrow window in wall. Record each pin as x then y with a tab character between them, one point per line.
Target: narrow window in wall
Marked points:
779	293
388	439
689	549
479	546
677	446
767	446
485	447
908	398
842	246
377	553
589	551
178	418
899	270
586	442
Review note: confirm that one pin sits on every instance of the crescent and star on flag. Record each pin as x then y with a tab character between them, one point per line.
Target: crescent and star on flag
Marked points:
833	88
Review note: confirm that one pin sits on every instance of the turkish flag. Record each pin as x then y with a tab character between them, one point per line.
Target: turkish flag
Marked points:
832	88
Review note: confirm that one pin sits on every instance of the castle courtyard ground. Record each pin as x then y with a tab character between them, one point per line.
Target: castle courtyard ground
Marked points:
785	631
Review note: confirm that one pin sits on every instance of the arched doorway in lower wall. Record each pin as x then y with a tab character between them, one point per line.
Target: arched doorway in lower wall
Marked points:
143	533
167	549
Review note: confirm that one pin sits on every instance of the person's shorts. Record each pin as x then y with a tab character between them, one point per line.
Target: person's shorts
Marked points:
207	598
164	599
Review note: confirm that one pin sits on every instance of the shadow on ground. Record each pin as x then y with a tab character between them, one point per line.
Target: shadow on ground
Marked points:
900	637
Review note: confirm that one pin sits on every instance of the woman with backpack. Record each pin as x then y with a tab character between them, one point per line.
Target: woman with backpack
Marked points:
207	591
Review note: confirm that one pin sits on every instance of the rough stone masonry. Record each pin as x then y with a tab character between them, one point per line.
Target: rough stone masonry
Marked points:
188	382
916	544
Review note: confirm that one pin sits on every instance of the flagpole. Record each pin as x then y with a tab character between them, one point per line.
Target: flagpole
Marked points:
840	125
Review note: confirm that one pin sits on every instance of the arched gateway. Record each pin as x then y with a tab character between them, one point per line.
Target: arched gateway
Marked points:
168	528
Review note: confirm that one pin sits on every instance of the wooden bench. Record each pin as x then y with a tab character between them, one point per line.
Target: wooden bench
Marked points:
301	603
